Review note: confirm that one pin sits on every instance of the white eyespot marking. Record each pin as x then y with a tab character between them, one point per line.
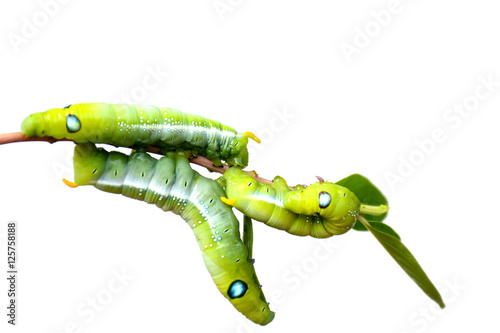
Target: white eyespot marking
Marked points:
237	289
73	124
324	199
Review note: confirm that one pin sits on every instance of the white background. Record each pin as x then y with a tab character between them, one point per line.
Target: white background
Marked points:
360	113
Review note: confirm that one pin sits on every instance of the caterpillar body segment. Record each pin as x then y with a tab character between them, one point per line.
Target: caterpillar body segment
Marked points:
320	210
172	185
128	125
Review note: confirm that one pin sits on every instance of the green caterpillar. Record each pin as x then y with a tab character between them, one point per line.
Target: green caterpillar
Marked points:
171	184
127	125
320	210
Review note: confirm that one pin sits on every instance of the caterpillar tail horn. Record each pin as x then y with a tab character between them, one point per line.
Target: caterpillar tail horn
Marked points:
252	136
70	184
227	201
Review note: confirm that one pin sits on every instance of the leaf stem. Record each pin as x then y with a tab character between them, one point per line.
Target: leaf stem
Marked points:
248	235
374	210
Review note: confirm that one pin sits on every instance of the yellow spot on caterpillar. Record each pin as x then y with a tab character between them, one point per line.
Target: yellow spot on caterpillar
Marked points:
70	184
227	201
252	136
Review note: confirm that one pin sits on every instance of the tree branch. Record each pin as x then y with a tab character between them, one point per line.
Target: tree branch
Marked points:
200	160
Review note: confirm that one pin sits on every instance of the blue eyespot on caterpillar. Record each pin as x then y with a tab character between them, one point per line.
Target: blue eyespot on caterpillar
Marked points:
171	184
73	124
237	289
324	199
128	125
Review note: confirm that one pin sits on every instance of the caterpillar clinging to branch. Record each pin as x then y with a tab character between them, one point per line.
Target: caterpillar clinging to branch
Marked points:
126	125
171	184
320	210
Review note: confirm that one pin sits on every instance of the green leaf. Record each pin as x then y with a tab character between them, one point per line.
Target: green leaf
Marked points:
358	226
382	227
405	259
368	194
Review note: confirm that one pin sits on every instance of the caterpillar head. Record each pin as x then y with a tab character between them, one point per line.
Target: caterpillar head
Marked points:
75	122
337	205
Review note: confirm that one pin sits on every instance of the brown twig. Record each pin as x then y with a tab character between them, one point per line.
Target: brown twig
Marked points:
199	160
19	137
